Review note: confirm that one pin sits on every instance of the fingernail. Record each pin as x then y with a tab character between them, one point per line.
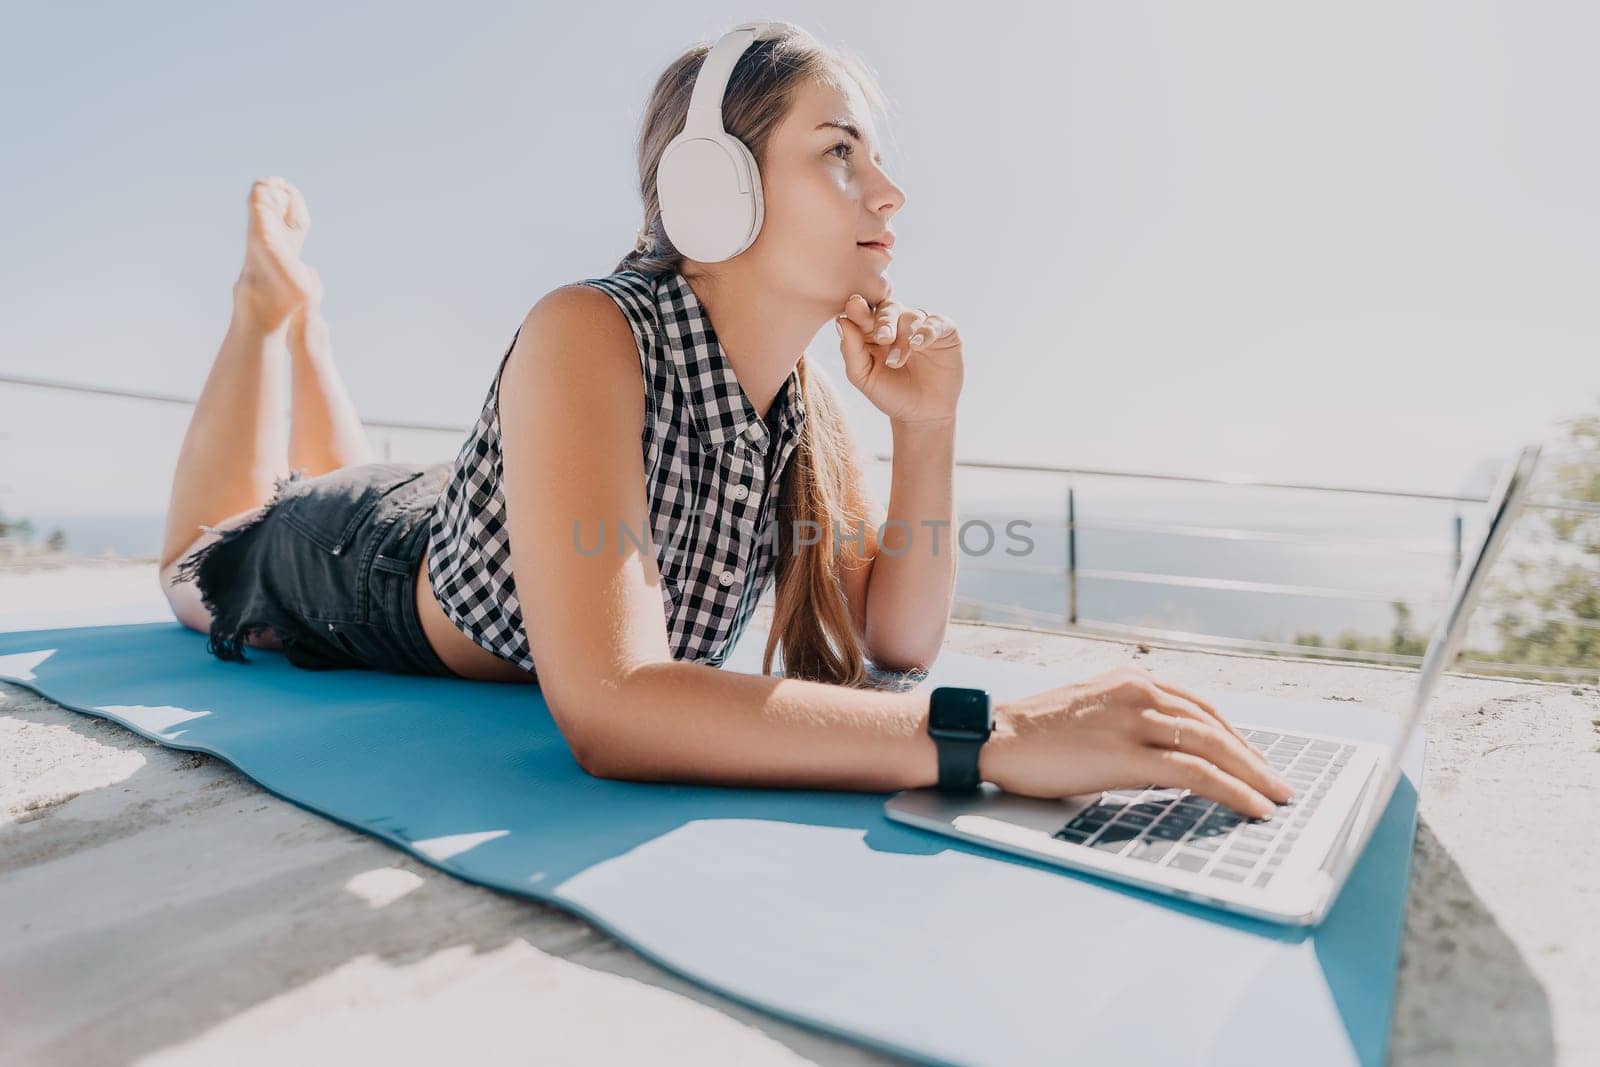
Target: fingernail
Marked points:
917	338
885	332
894	357
838	327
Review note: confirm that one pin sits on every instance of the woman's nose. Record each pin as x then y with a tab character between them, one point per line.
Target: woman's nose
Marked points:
891	196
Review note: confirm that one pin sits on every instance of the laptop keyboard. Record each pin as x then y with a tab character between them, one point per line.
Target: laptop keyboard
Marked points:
1176	828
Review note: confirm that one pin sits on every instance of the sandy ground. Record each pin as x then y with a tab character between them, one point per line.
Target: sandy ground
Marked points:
158	907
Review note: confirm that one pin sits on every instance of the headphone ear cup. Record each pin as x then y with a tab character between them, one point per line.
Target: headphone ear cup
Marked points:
710	197
757	205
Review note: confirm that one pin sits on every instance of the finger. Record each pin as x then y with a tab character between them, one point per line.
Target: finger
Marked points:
1191	772
906	328
1201	704
934	328
914	328
1174	704
907	321
887	316
853	347
860	313
1201	737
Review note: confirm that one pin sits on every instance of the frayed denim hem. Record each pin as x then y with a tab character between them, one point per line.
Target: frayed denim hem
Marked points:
218	560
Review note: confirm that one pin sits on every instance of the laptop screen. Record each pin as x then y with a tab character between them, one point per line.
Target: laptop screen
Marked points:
1501	512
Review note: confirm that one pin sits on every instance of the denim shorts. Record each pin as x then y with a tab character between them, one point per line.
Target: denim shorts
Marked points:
330	565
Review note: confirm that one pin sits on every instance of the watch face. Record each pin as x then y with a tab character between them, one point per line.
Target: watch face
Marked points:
965	710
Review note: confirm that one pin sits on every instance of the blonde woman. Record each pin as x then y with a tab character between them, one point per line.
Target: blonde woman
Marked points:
655	450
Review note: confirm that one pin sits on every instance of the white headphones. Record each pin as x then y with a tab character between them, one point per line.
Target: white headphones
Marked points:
707	180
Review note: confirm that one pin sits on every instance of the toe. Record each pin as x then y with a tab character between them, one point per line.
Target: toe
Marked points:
297	215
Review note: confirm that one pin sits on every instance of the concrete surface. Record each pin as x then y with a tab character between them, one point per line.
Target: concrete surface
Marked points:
157	907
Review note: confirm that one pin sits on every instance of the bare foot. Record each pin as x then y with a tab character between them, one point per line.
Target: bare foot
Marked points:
274	282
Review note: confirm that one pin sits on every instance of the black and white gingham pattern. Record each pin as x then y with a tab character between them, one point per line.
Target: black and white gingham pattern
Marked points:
708	458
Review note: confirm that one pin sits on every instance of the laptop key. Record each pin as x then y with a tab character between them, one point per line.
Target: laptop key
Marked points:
1115	838
1189	861
1226	874
1151	851
1263	878
1077	837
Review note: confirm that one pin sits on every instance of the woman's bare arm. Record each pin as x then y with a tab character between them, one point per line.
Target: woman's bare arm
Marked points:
694	723
571	408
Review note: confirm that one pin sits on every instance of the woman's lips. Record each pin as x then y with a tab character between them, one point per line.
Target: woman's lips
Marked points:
876	247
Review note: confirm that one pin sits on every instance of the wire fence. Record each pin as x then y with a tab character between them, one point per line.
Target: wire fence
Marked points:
1072	573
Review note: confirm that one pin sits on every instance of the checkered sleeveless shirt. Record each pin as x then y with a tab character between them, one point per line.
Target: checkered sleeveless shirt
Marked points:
712	471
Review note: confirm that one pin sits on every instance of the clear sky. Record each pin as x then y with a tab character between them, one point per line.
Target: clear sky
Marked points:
1346	242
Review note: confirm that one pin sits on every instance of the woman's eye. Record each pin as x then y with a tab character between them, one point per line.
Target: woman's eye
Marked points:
848	148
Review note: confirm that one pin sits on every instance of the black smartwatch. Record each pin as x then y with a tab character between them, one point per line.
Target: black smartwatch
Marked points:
959	721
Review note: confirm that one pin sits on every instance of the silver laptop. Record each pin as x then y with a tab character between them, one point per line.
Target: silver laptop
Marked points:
1286	869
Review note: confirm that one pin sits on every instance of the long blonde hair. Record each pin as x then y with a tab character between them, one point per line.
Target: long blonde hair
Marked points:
811	617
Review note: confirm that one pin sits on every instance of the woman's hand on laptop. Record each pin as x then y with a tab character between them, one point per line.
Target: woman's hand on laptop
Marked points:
1117	731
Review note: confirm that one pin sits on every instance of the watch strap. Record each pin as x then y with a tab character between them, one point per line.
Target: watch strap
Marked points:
958	765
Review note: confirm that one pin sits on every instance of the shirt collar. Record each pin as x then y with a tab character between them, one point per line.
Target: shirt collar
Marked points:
721	412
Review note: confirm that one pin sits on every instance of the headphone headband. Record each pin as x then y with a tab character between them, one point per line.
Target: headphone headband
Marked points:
705	102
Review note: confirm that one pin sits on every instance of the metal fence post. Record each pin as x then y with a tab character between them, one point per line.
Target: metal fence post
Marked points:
1455	553
1072	558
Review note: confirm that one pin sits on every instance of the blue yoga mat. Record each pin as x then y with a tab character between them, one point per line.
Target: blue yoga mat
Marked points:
810	905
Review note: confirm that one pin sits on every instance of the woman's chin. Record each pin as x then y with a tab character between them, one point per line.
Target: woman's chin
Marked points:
877	281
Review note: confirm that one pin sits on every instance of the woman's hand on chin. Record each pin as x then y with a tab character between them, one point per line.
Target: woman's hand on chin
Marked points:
906	361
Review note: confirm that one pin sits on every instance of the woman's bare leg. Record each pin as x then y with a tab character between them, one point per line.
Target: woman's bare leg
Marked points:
236	446
325	433
236	443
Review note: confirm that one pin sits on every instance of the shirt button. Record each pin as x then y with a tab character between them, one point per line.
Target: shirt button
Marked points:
740	492
726	577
